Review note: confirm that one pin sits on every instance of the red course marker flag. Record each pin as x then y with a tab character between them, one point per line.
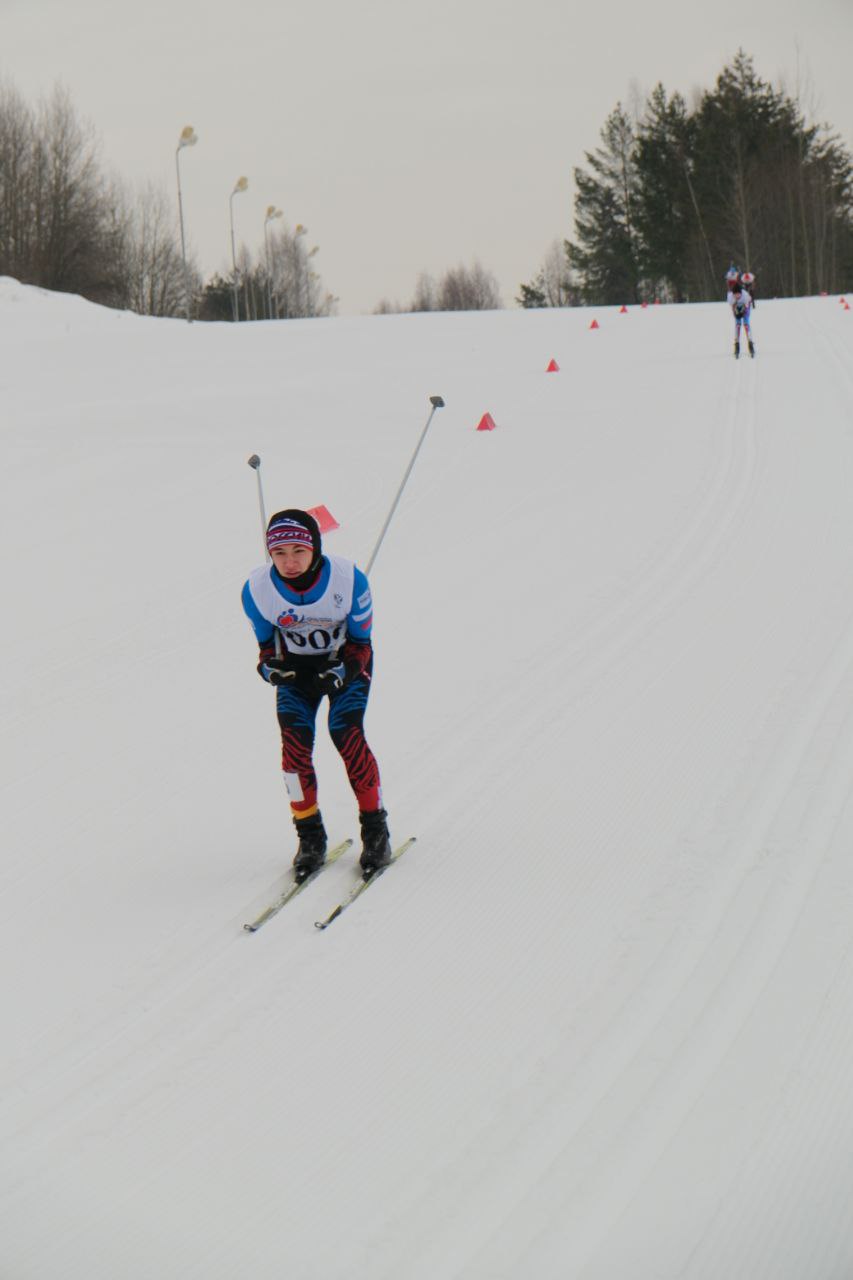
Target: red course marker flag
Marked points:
595	325
486	423
553	367
623	310
324	518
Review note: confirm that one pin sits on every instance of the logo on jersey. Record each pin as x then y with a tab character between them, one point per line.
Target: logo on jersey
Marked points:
288	619
338	599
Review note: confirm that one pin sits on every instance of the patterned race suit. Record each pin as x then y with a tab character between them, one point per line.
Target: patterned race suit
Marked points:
329	621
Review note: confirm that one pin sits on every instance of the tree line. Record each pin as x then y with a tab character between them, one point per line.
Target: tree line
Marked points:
665	203
672	197
68	226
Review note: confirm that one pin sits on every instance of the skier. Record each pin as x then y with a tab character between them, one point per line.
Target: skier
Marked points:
732	277
740	302
312	615
748	282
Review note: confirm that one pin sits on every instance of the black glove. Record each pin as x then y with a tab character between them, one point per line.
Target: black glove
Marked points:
276	670
333	678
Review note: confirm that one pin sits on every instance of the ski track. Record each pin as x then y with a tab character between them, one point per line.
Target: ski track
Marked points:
597	1023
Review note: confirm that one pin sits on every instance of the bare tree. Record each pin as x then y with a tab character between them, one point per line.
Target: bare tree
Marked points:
151	256
69	202
297	289
57	218
460	289
554	284
16	226
468	289
426	294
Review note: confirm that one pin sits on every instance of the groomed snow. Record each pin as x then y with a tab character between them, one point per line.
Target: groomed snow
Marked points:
598	1024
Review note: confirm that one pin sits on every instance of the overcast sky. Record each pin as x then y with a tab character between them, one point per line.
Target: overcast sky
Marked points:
407	137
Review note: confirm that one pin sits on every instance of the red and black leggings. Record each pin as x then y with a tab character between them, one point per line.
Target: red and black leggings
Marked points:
297	708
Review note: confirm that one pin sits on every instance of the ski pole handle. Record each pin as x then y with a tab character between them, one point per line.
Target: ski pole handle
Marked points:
255	464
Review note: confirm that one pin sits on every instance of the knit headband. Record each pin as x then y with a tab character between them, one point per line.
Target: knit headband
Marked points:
290	533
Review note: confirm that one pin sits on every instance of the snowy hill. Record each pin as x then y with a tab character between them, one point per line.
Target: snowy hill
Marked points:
597	1024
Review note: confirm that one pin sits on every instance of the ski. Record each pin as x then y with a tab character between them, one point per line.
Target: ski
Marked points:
295	887
358	889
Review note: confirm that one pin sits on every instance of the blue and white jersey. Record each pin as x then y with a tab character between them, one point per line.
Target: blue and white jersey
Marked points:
744	296
312	623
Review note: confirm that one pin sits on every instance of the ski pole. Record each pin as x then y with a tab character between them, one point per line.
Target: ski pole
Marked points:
255	463
437	403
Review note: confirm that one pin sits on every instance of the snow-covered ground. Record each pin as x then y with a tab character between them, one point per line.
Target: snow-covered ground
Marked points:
598	1024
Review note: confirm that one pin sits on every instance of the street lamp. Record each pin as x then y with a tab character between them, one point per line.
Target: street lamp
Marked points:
188	138
242	184
271	214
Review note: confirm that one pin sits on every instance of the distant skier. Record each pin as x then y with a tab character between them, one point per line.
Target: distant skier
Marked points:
749	282
732	277
740	302
312	615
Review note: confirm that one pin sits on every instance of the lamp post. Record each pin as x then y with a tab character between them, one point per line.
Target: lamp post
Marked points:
271	214
188	138
242	184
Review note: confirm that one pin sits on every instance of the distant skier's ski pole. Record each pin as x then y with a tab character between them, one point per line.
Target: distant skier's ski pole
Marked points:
437	403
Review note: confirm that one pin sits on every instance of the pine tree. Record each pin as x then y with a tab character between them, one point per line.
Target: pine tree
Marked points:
667	206
605	254
667	216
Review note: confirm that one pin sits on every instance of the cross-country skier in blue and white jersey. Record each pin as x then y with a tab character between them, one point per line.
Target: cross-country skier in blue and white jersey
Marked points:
740	302
312	615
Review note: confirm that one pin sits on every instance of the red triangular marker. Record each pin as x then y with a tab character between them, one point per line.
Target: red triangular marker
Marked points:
644	305
486	423
553	367
843	302
595	325
324	518
623	310
847	306
657	302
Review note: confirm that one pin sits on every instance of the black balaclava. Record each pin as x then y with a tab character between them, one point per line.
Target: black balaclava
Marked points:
307	521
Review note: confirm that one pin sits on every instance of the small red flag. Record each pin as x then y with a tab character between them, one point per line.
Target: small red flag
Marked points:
324	518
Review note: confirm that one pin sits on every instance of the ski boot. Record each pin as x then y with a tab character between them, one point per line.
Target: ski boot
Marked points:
311	853
375	842
737	349
751	348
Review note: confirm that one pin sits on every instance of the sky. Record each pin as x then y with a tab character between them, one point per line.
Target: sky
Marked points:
407	138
